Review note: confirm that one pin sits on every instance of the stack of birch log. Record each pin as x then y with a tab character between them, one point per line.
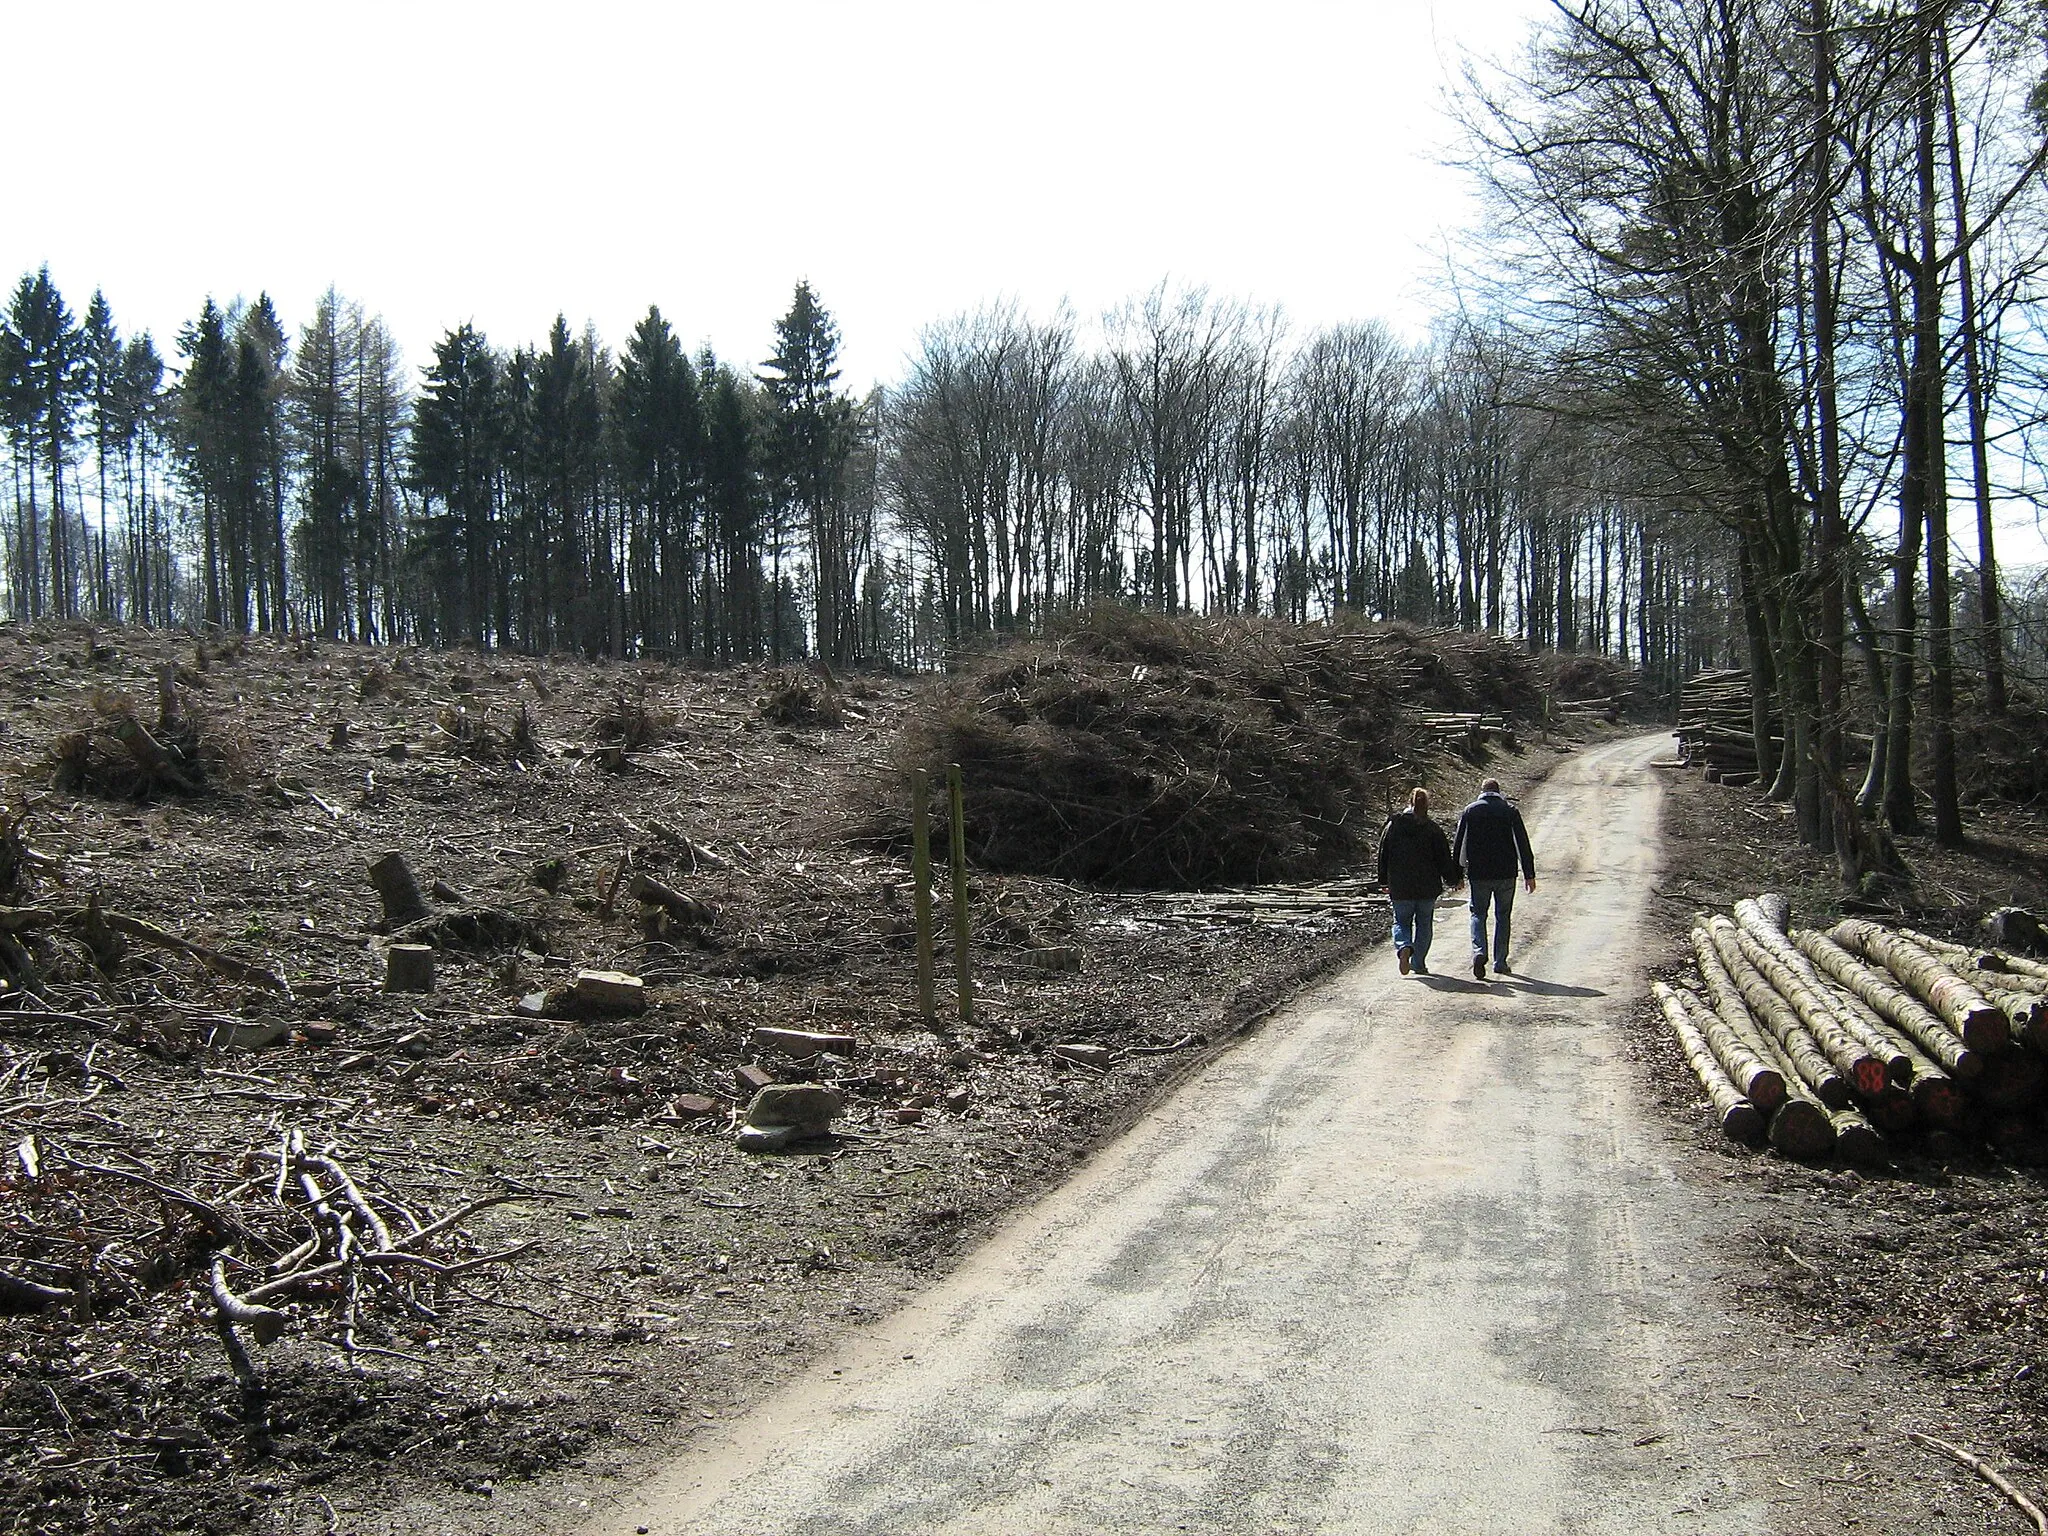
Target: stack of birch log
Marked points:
1470	734
1715	731
1828	1043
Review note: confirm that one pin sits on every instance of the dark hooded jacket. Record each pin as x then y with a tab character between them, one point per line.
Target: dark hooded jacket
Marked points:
1415	858
1492	840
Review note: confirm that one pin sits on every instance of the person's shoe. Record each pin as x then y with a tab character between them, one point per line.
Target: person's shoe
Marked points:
1479	967
1402	955
1502	968
1419	968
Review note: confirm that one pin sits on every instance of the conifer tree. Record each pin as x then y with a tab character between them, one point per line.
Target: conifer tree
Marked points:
457	449
101	359
47	373
815	432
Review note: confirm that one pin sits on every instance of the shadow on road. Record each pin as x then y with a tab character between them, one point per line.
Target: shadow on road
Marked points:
1438	983
1536	988
1528	984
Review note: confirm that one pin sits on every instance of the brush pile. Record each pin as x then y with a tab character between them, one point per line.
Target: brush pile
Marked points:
1828	1042
1715	730
1137	750
118	756
2007	758
292	1237
794	697
1586	683
635	722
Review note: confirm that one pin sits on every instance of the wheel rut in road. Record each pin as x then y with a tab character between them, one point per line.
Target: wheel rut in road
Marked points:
1408	1258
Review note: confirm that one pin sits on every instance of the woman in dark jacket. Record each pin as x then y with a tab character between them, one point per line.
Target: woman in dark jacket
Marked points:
1415	865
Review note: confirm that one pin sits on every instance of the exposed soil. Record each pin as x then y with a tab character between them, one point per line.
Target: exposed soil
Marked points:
673	1278
1925	1280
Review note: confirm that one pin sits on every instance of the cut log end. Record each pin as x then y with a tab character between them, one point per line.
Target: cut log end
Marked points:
1802	1129
1742	1121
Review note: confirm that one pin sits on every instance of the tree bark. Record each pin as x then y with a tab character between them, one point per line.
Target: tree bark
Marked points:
1981	1025
1775	1014
1897	1006
1867	1074
1936	1098
1800	1127
1740	1119
398	891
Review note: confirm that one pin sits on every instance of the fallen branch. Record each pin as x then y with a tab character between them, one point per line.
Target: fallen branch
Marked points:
87	919
266	1323
1986	1471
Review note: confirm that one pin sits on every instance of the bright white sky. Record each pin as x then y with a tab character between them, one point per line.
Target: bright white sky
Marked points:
441	162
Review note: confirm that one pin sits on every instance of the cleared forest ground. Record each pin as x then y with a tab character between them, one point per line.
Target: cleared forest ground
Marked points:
669	1277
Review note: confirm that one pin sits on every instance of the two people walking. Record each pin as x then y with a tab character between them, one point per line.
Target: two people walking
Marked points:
1416	863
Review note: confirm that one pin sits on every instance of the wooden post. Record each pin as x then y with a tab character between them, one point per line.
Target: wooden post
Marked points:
963	933
921	876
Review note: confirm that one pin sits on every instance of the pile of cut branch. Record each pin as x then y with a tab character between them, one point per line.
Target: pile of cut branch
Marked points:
635	721
294	1237
1137	750
794	697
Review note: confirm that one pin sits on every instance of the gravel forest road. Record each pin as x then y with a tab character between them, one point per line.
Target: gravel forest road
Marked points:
1408	1258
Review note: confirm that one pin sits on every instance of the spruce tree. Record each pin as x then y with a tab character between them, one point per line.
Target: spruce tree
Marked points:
48	376
814	437
101	357
457	450
205	452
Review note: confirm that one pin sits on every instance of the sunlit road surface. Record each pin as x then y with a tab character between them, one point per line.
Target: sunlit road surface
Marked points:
1409	1258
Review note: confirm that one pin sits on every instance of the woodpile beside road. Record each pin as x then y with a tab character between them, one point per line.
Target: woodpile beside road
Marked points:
1829	1043
1716	731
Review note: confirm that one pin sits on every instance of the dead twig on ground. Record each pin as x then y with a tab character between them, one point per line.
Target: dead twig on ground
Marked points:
1985	1470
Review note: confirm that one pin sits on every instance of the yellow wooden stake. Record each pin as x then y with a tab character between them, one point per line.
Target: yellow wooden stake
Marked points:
921	874
963	932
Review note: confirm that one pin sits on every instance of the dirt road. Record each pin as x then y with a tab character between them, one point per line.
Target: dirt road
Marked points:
1408	1259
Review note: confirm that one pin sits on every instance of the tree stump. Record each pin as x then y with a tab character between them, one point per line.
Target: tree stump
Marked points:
399	892
409	968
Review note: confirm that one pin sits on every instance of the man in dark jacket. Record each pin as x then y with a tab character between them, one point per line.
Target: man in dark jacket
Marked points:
1491	840
1415	861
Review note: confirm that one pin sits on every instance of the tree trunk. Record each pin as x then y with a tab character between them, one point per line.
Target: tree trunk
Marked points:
1900	1008
1740	1119
1972	1016
1866	1073
398	891
1776	1015
1990	612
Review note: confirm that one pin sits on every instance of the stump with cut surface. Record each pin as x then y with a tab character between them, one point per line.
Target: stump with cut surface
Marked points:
409	968
608	992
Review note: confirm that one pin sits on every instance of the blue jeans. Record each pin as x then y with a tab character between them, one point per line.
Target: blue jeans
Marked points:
1412	920
1501	895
